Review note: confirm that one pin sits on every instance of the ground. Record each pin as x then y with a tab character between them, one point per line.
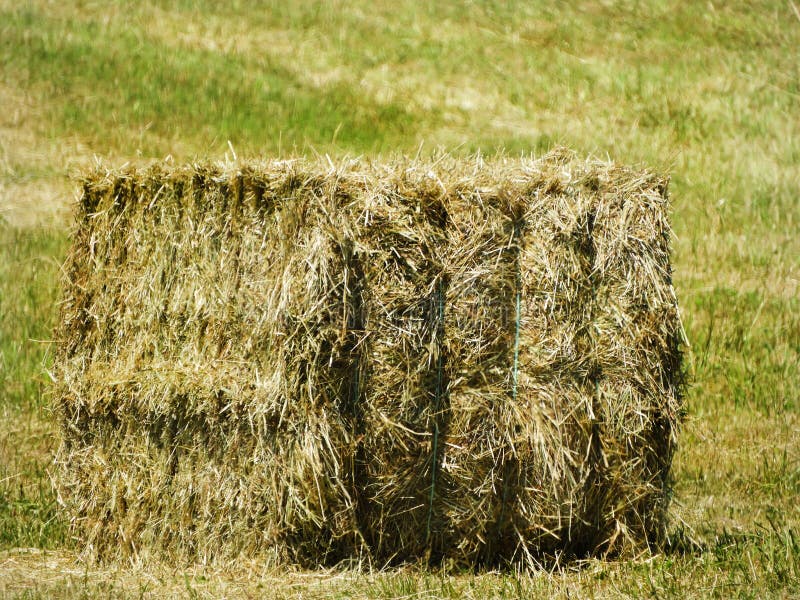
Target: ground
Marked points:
709	92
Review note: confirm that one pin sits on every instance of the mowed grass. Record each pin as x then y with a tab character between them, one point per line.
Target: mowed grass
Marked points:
708	91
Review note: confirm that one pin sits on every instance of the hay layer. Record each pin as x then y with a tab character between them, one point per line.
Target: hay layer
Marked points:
473	361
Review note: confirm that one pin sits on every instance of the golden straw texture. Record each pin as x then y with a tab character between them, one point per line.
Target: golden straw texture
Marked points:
468	360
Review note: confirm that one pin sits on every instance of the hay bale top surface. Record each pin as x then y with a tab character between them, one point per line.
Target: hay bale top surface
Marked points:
436	177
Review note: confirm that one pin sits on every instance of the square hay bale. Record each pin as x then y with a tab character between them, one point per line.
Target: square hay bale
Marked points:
463	360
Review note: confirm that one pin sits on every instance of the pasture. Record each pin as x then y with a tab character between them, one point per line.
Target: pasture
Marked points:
709	92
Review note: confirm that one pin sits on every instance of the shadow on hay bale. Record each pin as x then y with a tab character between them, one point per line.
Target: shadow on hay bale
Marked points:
468	361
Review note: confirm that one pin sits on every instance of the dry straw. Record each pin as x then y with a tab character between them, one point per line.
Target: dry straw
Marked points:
463	360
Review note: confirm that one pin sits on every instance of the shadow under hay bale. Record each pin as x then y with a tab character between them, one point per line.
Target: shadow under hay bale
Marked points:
468	361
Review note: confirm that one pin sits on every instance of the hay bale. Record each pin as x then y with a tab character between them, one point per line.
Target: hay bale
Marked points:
463	360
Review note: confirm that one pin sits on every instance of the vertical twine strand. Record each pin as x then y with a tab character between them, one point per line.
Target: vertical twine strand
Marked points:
437	402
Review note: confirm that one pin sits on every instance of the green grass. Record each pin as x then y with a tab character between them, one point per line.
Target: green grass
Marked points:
177	94
708	91
29	265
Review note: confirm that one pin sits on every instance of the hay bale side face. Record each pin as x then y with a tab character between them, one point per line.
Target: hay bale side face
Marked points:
204	366
476	362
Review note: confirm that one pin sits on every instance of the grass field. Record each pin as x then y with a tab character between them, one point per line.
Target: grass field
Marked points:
708	91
